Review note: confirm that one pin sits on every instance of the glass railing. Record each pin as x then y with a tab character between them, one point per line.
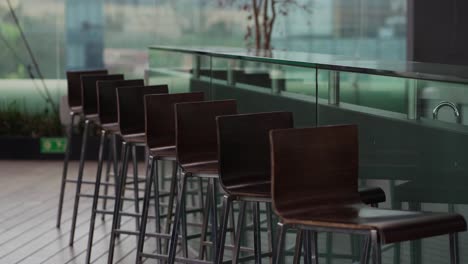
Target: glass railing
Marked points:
415	154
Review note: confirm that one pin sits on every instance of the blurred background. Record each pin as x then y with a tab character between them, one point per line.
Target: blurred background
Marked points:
70	34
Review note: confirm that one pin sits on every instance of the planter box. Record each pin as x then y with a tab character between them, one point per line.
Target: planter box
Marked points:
17	147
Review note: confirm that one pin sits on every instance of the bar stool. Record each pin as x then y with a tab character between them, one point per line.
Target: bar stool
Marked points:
75	106
244	171
160	139
197	148
107	113
131	119
314	188
89	110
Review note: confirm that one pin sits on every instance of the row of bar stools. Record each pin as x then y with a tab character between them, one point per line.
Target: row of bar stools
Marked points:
90	105
314	188
75	106
196	148
244	162
196	155
161	142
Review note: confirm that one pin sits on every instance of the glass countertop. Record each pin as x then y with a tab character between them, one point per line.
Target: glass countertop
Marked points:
405	69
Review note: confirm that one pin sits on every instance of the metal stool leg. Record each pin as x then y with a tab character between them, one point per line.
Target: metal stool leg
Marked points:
270	228
204	230
454	250
227	203
192	196
376	250
175	227
307	247
79	181
415	245
240	227
107	179
118	201
233	225
136	186
170	206
102	146
65	168
200	193
115	158
214	218
314	247
257	233
183	227
123	182
145	210
157	208
298	247
365	251
329	243
280	243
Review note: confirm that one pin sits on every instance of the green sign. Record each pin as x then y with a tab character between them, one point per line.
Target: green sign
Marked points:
53	145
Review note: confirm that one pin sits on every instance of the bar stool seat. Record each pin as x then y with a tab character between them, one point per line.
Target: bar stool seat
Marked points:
392	225
135	138
260	189
202	168
168	152
94	118
76	109
111	127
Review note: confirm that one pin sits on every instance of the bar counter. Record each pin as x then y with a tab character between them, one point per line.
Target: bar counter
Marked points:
411	116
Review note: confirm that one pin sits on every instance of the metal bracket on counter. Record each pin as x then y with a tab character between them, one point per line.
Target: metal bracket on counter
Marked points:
196	66
412	90
334	88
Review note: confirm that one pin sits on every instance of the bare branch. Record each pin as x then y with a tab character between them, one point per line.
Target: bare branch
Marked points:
273	18
258	37
265	24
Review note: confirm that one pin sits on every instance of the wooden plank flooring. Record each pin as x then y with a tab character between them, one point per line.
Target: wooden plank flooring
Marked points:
29	192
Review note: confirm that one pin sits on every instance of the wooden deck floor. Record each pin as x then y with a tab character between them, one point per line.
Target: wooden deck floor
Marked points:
29	192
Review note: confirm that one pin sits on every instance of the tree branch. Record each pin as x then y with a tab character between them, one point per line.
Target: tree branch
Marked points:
258	37
266	40
272	21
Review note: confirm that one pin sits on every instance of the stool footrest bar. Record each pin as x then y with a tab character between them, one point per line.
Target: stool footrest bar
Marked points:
180	260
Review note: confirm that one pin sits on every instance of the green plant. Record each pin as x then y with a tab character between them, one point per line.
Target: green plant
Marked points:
14	122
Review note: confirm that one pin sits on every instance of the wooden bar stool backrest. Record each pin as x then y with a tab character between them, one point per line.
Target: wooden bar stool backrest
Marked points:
244	146
74	85
196	139
160	117
107	98
131	108
89	90
314	168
